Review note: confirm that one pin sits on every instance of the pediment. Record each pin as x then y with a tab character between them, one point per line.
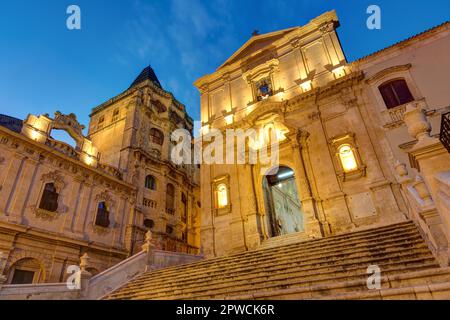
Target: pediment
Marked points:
256	44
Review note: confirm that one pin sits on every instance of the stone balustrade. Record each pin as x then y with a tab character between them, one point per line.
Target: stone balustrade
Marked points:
94	287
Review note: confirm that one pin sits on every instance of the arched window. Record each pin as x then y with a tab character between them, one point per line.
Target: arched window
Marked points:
150	182
395	93
222	195
26	271
49	200
156	136
102	218
347	157
170	199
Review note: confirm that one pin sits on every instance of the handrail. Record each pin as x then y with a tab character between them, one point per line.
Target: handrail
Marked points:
444	135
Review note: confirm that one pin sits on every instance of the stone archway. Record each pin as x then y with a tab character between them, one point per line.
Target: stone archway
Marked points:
283	208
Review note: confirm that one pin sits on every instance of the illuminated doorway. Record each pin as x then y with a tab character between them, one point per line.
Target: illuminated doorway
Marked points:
283	207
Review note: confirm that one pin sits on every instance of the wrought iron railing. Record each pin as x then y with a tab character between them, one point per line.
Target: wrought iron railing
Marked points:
445	131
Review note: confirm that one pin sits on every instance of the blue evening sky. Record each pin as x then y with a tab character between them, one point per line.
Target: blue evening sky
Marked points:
44	67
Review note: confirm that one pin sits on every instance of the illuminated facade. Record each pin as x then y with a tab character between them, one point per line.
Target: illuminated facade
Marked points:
341	128
99	194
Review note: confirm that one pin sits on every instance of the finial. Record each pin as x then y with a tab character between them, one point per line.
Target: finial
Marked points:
255	33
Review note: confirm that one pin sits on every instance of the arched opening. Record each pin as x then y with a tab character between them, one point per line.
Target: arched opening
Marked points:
102	218
63	136
49	199
26	271
283	207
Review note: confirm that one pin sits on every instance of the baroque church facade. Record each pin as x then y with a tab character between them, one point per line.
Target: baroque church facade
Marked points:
363	178
346	147
100	195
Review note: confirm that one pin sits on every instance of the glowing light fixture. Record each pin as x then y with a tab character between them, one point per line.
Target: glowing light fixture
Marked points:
229	119
348	158
306	86
222	196
34	134
205	129
339	72
284	175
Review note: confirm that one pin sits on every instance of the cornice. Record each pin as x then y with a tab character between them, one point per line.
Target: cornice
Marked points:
44	235
292	35
387	71
407	42
42	148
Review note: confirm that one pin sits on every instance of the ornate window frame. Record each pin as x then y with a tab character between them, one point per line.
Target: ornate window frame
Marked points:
393	117
57	179
263	72
105	197
337	143
221	180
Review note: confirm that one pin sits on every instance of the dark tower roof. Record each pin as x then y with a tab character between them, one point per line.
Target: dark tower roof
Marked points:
147	74
11	123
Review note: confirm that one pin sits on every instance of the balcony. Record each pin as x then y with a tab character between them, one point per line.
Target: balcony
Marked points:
393	117
444	136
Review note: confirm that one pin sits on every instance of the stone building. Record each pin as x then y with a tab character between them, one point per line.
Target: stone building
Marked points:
98	195
132	131
343	136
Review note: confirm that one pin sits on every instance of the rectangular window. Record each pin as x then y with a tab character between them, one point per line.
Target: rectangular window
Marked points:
22	277
115	116
101	122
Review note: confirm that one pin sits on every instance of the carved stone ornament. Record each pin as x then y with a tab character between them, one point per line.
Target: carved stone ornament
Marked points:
401	169
100	230
416	120
46	215
56	178
327	27
105	196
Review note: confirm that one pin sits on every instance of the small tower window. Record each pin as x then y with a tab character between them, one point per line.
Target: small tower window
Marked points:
348	159
156	136
115	116
101	122
102	218
150	182
49	200
395	93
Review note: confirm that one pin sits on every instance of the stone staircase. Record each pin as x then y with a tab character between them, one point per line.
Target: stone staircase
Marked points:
326	268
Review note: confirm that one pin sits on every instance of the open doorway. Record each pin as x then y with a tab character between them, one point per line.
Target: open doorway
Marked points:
283	207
